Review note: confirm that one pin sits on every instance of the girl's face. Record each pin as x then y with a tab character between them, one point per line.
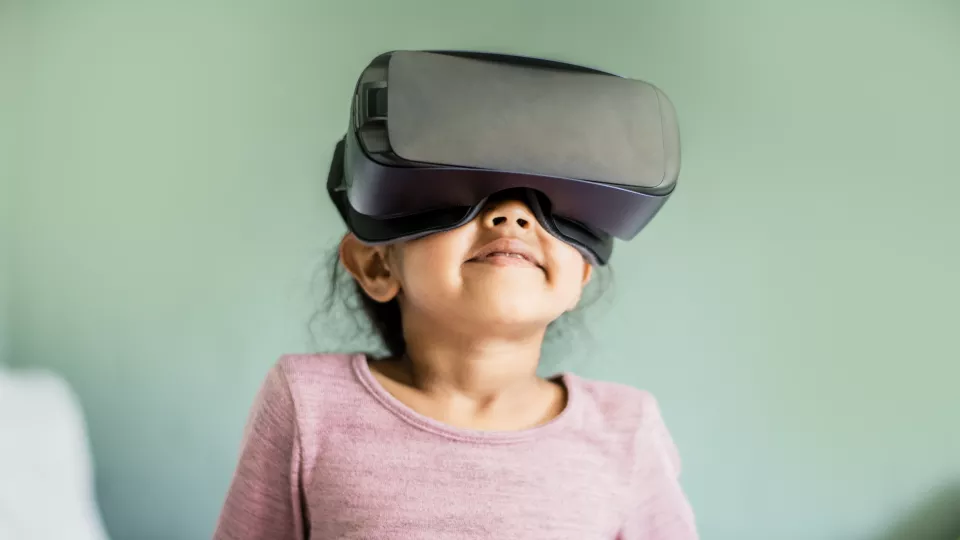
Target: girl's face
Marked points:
501	269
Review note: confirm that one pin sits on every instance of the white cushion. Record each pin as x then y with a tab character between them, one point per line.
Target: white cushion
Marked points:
46	474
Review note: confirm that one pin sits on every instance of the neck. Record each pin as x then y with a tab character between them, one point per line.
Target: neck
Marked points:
480	368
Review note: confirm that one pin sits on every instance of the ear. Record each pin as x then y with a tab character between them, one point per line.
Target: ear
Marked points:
370	267
585	280
587	273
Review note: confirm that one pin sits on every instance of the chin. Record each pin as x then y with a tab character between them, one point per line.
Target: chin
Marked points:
511	310
512	325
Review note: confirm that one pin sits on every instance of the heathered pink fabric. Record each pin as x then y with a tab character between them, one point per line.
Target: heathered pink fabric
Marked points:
329	454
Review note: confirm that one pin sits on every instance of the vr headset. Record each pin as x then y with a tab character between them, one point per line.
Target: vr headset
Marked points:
434	136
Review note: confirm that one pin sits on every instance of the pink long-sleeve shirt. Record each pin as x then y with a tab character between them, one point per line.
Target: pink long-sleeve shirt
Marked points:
328	453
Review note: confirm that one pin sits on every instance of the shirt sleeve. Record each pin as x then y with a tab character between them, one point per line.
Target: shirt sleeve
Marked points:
662	511
264	499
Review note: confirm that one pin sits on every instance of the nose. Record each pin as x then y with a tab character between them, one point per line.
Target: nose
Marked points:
508	214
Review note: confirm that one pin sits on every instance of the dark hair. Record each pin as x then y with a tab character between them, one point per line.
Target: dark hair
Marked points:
384	318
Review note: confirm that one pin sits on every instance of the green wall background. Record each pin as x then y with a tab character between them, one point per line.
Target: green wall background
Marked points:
11	38
794	307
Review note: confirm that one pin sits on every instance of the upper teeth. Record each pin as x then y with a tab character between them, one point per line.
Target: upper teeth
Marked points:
517	255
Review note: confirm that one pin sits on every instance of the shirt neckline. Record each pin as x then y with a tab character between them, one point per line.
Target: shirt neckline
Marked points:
361	368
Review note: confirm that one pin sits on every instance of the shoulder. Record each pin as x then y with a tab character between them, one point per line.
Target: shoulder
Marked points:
302	392
307	379
618	406
295	381
628	417
302	369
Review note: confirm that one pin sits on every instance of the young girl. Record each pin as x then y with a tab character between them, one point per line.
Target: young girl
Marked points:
455	436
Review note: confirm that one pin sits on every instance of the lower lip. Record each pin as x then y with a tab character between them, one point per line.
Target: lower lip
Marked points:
505	261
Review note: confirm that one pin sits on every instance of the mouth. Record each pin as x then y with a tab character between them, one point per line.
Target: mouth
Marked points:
506	252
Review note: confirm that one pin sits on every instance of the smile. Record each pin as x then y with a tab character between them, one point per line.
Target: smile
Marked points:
506	252
500	258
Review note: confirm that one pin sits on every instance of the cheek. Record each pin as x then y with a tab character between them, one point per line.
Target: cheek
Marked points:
568	273
431	265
